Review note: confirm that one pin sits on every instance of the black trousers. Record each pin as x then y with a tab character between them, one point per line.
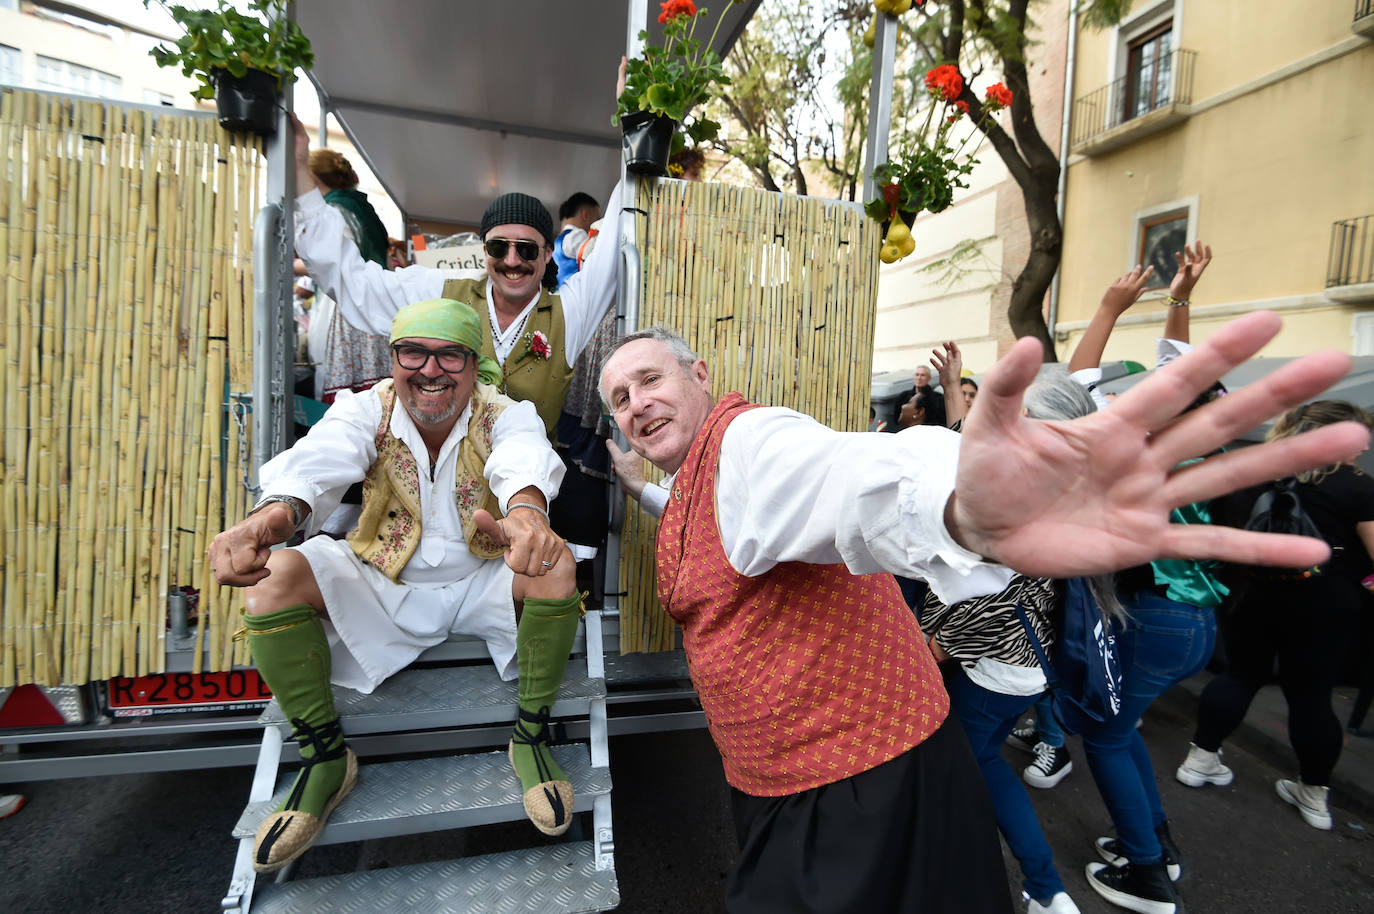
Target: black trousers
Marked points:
914	834
1305	625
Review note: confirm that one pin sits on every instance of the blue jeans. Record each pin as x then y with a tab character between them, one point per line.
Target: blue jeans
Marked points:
987	718
1164	643
1046	724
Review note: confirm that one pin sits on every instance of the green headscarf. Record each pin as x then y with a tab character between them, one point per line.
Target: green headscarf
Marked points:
446	319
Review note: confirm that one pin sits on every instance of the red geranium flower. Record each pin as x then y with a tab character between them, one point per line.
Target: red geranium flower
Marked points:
998	96
673	8
945	82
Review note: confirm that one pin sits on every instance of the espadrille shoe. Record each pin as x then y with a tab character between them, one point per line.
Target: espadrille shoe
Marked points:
549	803
286	834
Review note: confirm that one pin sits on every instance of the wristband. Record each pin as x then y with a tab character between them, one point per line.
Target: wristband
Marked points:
297	515
532	507
1177	302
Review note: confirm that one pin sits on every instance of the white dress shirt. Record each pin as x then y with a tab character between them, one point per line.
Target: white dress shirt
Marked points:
790	489
336	453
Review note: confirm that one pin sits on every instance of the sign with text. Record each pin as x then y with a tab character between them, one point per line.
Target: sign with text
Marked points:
466	257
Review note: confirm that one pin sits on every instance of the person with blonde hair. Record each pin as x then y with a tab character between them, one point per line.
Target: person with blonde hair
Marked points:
1300	617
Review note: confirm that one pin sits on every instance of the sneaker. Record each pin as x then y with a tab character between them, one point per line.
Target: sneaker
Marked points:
11	803
1310	800
1061	903
1024	737
1138	887
1051	765
1109	849
1202	767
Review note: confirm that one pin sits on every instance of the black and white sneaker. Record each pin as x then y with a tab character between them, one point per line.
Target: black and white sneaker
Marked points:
1051	765
1137	887
1109	849
1026	737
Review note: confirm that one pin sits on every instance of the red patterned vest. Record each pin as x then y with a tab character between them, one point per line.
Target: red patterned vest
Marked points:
807	674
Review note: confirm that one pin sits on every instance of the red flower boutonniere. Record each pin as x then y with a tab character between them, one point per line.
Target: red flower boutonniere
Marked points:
539	345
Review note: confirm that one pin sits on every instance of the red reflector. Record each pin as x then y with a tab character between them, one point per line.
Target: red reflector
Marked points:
29	707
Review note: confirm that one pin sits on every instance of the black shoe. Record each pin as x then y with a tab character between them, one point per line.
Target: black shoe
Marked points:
1143	887
1051	765
1024	737
1109	849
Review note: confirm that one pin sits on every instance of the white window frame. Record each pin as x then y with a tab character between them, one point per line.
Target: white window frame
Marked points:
1362	333
1141	216
16	56
99	84
1137	23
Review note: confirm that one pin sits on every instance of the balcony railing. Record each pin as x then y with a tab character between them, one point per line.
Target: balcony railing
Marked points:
1352	252
1363	23
1168	83
1364	8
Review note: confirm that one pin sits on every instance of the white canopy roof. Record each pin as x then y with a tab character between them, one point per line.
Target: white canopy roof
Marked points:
453	103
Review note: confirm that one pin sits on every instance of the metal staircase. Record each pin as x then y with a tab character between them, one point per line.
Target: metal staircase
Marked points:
436	710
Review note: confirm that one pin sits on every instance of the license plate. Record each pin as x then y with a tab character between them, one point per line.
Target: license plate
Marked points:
178	693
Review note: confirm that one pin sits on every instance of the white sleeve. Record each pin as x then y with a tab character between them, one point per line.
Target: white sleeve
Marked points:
1166	350
653	499
319	468
1089	378
792	490
521	455
591	290
367	294
575	238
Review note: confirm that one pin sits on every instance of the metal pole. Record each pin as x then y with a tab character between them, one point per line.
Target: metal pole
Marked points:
880	98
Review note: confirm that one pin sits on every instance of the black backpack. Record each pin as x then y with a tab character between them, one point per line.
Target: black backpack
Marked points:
1278	509
1084	675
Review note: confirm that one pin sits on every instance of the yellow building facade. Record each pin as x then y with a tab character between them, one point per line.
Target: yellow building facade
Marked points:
1247	126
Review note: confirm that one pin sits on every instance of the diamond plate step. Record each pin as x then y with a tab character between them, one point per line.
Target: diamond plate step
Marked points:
425	699
638	669
431	794
557	879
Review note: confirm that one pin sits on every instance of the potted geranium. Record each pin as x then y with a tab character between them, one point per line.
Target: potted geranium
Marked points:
663	86
243	60
924	179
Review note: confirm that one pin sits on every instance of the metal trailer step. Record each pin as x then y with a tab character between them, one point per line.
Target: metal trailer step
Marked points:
628	670
431	794
538	880
422	699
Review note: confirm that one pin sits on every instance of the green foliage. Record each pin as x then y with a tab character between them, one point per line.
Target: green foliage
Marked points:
925	178
223	38
674	79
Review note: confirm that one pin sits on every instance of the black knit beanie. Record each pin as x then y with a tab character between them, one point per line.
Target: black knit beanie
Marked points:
518	209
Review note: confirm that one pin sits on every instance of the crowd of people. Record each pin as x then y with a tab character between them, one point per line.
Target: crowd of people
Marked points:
859	723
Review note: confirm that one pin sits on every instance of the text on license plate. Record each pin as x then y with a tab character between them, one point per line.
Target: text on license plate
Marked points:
178	692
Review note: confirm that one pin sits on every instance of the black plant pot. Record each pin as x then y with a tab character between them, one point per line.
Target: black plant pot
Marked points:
246	103
647	140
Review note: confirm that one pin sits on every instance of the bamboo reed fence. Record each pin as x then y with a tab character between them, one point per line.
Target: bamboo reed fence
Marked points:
126	335
778	293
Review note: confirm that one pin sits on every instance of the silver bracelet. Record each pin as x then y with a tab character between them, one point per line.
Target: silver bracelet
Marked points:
532	507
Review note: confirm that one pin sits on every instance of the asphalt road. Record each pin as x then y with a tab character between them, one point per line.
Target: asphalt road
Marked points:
159	842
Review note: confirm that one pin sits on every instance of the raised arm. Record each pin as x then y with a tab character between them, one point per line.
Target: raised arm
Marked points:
950	365
1191	264
1120	295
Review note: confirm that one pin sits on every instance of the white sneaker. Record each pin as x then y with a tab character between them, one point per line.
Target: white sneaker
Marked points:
1202	767
1310	800
1059	904
10	804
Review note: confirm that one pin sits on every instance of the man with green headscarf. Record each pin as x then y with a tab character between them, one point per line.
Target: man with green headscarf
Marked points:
429	557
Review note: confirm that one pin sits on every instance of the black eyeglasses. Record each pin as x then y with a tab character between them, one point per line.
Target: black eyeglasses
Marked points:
412	358
525	250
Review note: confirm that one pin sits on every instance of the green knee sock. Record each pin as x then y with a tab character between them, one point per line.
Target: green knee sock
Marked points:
542	643
292	654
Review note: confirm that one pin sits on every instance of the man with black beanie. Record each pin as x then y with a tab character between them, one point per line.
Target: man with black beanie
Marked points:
533	329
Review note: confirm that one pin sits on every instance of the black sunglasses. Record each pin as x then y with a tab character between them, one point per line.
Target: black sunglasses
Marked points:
525	250
451	359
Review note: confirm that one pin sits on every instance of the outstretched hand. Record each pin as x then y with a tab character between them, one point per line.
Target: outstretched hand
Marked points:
1125	291
532	548
1060	499
1191	264
949	365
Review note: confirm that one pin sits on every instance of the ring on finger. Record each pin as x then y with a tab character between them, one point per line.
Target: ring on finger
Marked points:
547	564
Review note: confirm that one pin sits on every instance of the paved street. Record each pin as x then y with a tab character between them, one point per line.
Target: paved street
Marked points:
158	842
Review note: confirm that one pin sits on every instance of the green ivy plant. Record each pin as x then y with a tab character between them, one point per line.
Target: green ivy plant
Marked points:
223	38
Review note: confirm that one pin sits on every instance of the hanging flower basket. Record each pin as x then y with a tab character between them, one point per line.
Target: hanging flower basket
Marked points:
246	103
647	139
